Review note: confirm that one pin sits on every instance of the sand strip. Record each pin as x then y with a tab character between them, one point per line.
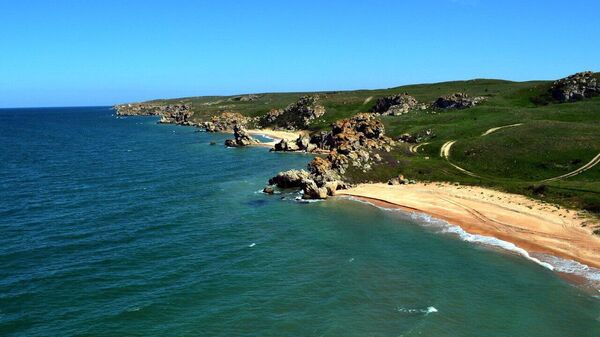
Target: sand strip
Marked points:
532	225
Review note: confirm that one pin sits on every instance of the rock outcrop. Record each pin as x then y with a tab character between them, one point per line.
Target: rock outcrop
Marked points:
171	113
576	87
395	105
176	114
351	142
137	109
241	138
302	143
457	100
245	98
289	179
226	121
296	115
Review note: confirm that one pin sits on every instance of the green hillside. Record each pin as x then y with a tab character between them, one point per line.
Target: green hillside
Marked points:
552	139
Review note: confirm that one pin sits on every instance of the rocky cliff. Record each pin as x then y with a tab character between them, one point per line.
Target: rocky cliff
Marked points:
295	116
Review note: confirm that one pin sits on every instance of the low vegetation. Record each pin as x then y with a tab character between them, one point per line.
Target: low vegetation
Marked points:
546	138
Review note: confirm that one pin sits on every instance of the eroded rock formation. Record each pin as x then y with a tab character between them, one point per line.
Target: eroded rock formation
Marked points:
296	115
352	142
458	100
576	87
226	121
241	138
395	105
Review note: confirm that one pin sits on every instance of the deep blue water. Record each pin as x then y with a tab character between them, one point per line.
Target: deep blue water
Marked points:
122	227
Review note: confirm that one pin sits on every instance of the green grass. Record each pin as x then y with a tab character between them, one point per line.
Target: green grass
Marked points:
553	140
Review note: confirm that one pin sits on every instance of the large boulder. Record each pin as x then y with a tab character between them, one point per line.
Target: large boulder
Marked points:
295	116
241	138
302	143
456	100
286	145
289	179
395	105
312	190
576	87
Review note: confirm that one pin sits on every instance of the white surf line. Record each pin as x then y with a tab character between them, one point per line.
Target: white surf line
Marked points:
445	153
368	100
584	168
492	130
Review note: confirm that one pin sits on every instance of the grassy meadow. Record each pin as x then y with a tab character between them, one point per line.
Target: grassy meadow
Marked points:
553	138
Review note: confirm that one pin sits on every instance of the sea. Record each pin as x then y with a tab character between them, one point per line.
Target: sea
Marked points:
119	226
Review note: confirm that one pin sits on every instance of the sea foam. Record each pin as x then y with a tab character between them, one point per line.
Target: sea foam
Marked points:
547	261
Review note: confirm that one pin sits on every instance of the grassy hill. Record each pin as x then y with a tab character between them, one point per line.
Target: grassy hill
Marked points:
553	138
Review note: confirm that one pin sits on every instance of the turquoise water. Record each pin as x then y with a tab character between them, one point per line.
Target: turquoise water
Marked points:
122	227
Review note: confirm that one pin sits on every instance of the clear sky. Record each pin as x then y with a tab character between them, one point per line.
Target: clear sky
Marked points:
65	53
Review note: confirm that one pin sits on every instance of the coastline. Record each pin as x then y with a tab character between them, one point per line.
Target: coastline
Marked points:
528	226
275	135
537	228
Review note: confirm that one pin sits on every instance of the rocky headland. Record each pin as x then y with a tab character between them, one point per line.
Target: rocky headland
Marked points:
353	142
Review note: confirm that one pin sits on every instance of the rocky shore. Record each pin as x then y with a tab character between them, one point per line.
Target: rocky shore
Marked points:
353	142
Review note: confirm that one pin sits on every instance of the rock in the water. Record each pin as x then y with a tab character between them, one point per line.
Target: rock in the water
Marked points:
457	100
289	179
241	138
576	87
395	105
268	190
285	145
312	190
296	115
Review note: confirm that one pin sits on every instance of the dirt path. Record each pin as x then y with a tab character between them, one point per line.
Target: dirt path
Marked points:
415	148
368	100
445	153
492	130
584	168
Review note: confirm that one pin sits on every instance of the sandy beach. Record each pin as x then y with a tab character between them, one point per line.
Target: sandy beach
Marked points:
532	225
276	135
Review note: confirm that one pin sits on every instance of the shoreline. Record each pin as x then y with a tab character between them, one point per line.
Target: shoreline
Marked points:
275	135
536	228
480	223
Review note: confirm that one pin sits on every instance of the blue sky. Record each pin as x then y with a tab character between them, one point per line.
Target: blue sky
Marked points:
66	53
